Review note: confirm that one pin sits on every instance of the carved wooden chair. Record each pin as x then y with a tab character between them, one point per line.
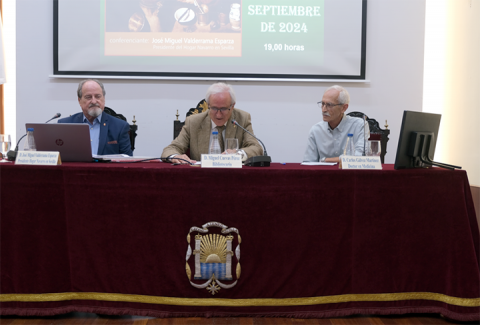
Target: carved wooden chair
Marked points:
202	106
133	127
376	133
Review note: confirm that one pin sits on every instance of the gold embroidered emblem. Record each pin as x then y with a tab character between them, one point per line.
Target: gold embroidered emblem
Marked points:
214	257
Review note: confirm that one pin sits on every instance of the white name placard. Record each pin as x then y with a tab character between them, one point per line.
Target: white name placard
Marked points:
38	158
361	162
222	161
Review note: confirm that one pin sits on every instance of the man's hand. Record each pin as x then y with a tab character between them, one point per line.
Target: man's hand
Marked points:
333	159
178	161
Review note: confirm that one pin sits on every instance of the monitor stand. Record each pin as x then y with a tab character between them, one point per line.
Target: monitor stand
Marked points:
419	150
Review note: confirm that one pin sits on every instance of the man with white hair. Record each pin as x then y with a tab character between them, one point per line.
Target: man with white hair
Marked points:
197	131
327	139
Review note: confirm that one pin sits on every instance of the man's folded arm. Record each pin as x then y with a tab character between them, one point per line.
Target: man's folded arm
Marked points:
124	141
311	153
363	134
179	145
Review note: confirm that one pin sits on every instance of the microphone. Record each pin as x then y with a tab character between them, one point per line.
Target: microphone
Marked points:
56	116
364	134
12	154
257	161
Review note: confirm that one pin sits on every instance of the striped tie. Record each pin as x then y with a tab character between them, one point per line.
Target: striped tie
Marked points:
220	137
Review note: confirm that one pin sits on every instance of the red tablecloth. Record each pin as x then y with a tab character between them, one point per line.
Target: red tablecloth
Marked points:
315	241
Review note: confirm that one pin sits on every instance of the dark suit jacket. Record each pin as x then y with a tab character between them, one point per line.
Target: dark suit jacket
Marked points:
112	129
195	135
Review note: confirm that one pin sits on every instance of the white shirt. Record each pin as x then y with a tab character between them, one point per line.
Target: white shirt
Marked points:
323	142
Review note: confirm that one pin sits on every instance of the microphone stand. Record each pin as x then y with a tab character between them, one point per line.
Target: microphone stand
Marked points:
12	154
364	134
257	161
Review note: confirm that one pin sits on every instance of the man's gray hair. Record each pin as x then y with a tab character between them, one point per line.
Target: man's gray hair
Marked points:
80	86
218	88
343	96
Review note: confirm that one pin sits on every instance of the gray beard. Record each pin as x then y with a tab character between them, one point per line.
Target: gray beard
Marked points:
96	111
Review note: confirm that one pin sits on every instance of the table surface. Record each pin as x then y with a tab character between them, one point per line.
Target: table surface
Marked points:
316	241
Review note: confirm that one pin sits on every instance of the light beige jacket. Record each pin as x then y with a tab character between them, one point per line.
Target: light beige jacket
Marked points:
195	135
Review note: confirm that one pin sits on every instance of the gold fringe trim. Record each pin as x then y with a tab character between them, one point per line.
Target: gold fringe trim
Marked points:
47	297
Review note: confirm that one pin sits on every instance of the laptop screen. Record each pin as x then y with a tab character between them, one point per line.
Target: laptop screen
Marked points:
72	140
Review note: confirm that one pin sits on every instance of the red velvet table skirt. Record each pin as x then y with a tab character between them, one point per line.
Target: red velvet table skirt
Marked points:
315	241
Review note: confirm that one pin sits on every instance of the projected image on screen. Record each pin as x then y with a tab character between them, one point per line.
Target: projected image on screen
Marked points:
281	39
176	28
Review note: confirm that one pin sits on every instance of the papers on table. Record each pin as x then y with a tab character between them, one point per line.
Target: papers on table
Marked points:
112	156
125	158
314	163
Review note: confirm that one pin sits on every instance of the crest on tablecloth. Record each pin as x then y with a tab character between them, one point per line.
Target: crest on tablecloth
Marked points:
214	258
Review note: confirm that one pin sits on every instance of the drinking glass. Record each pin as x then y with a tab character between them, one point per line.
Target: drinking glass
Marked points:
373	148
231	146
5	143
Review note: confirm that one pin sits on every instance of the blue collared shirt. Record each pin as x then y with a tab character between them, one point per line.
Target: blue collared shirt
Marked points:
323	142
94	132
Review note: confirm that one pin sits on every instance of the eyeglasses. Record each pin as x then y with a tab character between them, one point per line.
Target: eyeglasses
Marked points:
328	105
222	109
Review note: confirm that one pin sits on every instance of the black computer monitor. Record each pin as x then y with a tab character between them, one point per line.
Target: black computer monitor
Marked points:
417	141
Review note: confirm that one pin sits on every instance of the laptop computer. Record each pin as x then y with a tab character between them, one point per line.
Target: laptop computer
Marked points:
70	139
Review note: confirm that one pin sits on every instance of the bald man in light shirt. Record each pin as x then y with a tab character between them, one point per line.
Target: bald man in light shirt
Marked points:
327	139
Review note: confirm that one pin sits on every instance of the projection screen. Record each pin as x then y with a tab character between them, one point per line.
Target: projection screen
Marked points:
211	39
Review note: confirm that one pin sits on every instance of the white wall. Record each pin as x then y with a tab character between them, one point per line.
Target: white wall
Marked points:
461	116
282	113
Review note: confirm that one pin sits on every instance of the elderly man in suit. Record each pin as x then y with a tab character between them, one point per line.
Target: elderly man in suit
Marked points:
197	131
108	134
